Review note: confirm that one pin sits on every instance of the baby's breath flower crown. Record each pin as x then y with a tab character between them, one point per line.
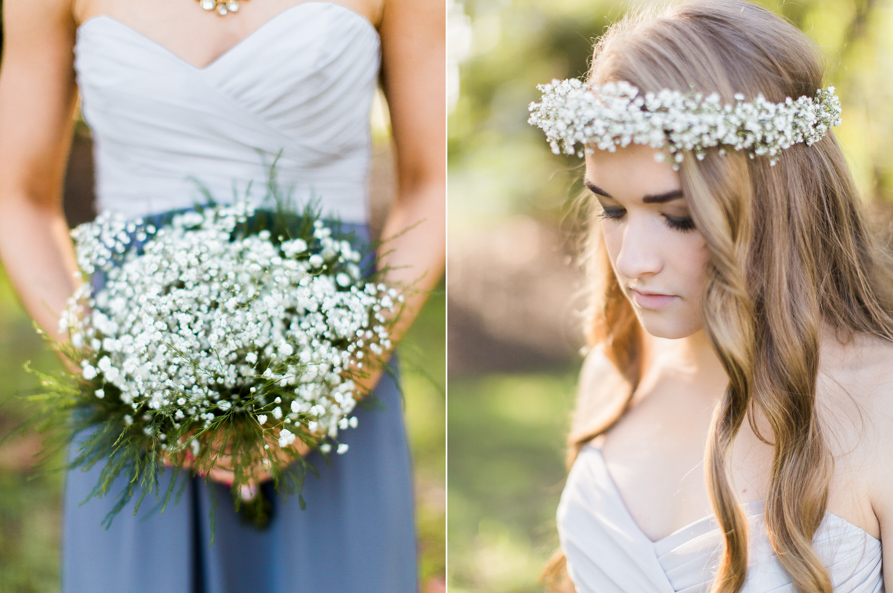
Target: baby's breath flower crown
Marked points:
617	114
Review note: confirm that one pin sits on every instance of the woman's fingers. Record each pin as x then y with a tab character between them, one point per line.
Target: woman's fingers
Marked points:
261	471
181	459
301	447
222	469
367	382
248	491
221	476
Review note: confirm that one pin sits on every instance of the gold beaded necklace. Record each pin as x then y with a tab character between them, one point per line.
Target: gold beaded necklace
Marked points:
223	7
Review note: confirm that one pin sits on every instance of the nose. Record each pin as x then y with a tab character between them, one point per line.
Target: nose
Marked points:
640	252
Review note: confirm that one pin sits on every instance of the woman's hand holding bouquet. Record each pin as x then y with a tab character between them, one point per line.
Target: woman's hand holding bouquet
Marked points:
222	340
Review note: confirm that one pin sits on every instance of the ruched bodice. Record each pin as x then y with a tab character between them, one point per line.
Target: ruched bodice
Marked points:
608	553
299	87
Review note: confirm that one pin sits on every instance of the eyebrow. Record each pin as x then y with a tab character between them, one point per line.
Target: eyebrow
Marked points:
663	198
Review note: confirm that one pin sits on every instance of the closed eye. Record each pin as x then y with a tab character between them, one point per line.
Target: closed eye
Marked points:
682	224
611	213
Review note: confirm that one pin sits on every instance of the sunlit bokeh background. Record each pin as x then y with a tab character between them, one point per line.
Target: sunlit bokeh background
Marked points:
30	498
514	292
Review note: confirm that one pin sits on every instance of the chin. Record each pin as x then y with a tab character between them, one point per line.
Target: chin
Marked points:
670	329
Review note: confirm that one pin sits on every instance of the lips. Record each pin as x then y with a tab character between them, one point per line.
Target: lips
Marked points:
652	300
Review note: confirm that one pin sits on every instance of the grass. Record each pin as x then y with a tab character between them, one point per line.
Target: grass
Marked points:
423	368
506	470
30	499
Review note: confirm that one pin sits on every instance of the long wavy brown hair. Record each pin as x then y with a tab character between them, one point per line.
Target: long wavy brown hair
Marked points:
790	256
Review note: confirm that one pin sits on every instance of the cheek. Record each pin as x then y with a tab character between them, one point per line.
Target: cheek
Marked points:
612	235
699	256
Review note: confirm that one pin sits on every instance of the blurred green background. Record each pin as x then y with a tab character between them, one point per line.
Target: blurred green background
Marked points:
513	288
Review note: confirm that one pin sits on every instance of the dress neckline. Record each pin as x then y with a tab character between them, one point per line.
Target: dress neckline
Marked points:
257	33
699	526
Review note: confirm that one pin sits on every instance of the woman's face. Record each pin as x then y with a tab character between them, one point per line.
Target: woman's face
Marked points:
658	255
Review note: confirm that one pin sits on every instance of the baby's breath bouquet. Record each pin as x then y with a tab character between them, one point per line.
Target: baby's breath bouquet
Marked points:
216	335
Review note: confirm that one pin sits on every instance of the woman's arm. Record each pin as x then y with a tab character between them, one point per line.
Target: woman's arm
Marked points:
413	36
37	100
413	76
861	427
878	466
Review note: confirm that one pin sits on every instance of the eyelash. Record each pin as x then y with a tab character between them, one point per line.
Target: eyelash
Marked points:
682	225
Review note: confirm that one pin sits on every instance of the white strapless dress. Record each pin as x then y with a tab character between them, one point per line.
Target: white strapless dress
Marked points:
300	85
299	88
608	553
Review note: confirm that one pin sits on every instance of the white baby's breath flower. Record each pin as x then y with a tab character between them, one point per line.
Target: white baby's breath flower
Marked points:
578	118
205	320
286	438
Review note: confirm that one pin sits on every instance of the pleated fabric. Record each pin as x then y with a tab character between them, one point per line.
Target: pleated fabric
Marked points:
607	552
298	90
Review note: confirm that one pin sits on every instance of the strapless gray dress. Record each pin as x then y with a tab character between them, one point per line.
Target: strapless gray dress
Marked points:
296	92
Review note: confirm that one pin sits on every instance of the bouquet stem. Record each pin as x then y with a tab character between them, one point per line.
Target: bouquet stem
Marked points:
254	506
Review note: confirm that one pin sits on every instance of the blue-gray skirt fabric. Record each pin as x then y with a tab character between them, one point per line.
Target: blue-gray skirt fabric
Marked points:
356	533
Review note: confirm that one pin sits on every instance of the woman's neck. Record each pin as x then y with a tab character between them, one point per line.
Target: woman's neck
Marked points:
691	359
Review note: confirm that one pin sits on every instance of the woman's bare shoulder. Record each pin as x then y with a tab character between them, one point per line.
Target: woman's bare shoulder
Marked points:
596	365
876	396
862	372
856	394
599	388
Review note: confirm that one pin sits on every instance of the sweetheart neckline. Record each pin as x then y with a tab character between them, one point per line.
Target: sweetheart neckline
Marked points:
675	533
232	49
